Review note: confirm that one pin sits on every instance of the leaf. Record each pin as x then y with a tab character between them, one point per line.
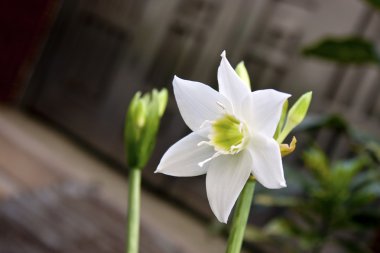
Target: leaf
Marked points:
367	219
318	162
353	246
374	3
346	170
255	234
365	180
271	201
349	50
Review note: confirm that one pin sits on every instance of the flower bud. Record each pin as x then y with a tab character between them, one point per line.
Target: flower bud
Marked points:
242	72
296	115
141	126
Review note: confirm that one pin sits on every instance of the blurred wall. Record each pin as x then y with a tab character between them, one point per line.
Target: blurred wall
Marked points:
23	26
100	53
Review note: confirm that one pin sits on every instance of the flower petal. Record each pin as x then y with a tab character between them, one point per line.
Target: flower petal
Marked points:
230	84
262	110
267	163
225	179
198	102
181	159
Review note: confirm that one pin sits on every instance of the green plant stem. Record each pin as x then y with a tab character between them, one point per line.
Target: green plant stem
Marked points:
240	218
133	222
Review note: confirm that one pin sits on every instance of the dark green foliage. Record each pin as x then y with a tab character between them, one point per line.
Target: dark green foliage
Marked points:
348	50
338	203
374	3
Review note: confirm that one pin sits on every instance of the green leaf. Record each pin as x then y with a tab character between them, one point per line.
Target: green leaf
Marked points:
296	115
367	219
350	50
270	200
318	162
353	246
374	3
254	234
242	72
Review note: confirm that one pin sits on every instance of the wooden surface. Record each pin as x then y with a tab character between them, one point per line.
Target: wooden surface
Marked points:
43	210
71	218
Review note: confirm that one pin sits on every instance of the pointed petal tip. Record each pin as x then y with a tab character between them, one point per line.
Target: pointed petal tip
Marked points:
279	185
223	54
284	94
274	186
222	218
176	79
158	170
162	170
225	220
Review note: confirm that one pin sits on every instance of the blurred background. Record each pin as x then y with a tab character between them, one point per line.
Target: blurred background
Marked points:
68	70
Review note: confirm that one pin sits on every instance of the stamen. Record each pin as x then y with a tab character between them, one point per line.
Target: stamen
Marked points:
204	143
204	123
209	159
221	105
241	127
228	135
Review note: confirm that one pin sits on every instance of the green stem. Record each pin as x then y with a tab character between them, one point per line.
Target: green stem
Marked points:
240	217
133	225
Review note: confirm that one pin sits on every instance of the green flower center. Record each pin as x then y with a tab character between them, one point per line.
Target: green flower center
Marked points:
228	135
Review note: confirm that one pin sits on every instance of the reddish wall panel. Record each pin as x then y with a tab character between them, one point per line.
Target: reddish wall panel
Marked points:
23	24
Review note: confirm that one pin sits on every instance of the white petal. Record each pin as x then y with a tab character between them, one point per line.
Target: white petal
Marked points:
262	110
230	84
181	159
225	179
198	102
267	162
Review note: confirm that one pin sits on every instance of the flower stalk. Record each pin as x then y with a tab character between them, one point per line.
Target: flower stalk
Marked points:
134	202
240	218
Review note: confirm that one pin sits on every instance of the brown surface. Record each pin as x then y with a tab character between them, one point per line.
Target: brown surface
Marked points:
67	218
22	169
41	212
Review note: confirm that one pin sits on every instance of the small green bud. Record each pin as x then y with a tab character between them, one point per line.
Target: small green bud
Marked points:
296	115
162	101
141	126
280	124
242	72
140	113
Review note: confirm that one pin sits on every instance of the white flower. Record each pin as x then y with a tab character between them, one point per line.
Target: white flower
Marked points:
232	137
